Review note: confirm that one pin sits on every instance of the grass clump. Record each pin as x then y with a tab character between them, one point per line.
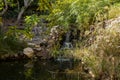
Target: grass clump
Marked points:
102	57
114	11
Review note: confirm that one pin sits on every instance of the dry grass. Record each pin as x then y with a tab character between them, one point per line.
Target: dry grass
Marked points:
103	55
114	11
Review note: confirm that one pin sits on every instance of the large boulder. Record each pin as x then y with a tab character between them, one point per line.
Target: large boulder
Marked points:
29	52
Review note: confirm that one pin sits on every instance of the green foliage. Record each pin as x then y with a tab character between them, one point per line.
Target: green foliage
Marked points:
114	1
1	5
5	5
84	13
45	5
60	12
30	22
9	44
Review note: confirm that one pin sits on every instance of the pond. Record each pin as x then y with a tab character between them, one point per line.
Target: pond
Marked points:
37	70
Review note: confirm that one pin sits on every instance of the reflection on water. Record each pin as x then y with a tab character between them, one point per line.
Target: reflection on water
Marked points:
38	70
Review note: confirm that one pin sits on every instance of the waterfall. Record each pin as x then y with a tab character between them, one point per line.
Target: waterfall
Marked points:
67	44
68	36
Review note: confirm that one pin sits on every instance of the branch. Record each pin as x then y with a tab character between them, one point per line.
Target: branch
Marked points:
26	2
5	9
23	10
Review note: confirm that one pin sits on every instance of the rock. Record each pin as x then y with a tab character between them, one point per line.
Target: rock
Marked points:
28	52
37	49
37	46
31	44
16	55
112	22
29	65
43	54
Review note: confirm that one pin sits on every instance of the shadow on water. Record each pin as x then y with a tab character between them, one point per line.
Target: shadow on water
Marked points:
37	70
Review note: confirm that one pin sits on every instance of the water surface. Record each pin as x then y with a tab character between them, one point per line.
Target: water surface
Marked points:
36	70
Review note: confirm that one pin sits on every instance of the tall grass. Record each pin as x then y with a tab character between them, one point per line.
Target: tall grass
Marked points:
114	11
103	55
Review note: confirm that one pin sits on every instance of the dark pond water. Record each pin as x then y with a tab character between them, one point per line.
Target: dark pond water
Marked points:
37	70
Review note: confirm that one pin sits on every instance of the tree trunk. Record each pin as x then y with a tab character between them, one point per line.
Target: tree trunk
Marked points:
26	5
20	14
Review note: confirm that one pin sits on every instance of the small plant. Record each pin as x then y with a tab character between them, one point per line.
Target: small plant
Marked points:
30	22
